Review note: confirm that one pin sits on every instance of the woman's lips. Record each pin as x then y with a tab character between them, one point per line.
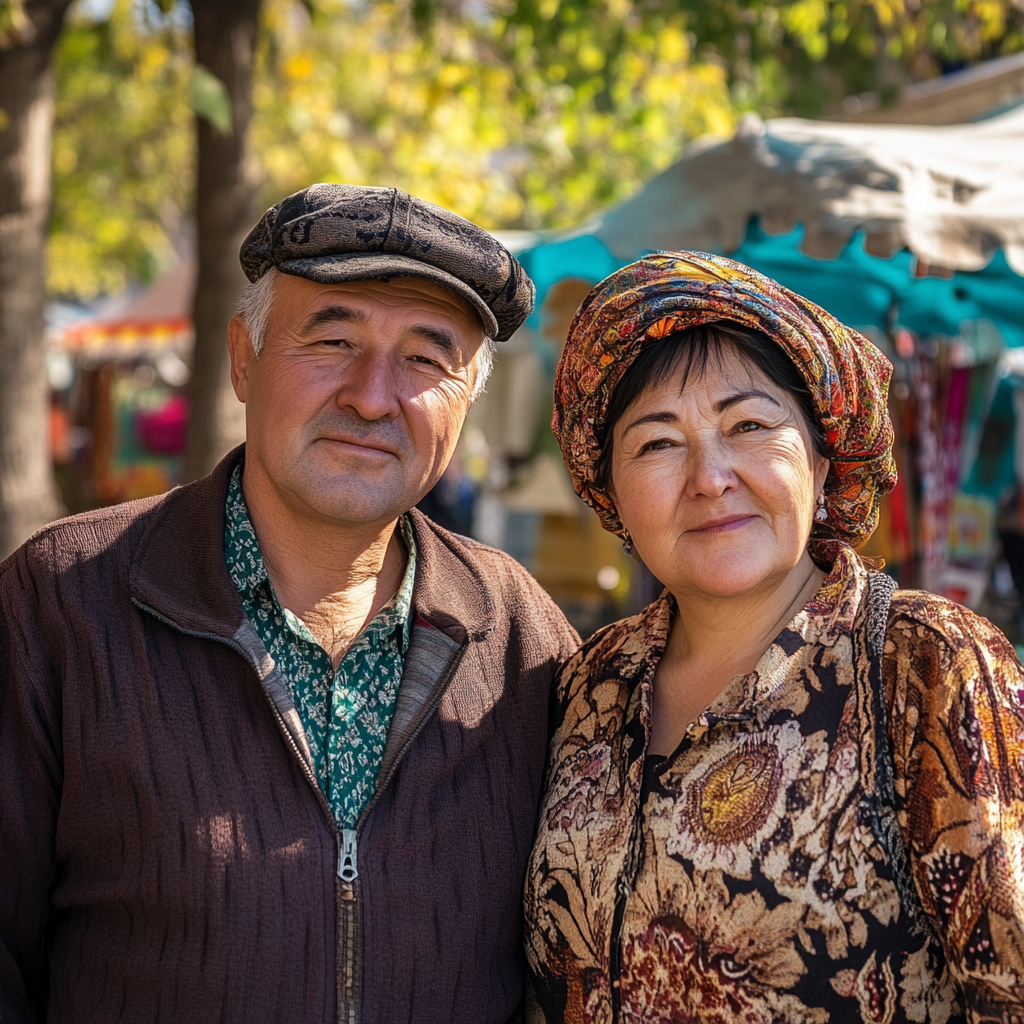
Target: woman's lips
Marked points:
724	524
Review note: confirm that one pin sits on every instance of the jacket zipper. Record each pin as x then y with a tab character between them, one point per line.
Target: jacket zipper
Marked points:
347	867
347	839
349	906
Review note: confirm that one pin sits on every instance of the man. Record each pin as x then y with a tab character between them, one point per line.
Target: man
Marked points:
271	745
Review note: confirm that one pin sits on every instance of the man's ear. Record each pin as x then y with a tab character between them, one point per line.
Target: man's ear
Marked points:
242	356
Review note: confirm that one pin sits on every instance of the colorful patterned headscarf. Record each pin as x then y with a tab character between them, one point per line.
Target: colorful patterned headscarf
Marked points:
847	376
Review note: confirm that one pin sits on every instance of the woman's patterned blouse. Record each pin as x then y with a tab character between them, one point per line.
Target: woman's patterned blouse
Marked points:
747	881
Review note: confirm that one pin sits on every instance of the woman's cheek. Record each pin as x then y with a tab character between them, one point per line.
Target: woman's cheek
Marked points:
649	491
780	468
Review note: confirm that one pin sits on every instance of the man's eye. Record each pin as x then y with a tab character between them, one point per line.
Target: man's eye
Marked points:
424	360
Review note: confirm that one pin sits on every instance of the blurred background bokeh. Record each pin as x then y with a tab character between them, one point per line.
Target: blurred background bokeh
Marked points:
868	153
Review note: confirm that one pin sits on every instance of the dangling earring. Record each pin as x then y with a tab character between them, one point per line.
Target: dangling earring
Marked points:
822	514
627	544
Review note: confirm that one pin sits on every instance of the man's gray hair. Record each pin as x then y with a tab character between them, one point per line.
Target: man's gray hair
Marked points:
254	308
254	311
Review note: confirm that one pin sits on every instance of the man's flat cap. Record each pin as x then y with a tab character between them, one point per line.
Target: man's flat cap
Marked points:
334	233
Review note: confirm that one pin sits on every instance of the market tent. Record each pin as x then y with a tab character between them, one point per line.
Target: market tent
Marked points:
119	413
156	320
919	225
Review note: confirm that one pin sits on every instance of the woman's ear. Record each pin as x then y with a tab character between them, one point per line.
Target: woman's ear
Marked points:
821	468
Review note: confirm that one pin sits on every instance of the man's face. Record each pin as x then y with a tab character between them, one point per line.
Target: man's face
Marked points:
356	401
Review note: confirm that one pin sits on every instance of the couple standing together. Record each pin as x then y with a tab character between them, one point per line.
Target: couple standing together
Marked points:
273	745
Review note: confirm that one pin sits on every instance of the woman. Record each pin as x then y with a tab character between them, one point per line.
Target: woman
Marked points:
773	795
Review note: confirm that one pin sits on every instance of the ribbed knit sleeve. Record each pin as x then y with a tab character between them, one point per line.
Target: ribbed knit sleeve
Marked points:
30	785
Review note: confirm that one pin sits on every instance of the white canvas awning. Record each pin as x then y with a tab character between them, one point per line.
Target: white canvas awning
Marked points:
952	195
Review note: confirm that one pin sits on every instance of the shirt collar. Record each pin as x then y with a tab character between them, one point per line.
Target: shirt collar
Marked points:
245	565
242	553
829	615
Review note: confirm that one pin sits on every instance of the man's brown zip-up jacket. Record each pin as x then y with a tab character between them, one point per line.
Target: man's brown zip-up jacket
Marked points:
165	852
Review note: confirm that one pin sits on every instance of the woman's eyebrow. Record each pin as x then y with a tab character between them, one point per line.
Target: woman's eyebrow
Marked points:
723	403
651	417
720	406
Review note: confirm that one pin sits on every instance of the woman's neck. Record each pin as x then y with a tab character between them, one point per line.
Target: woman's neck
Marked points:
710	628
714	639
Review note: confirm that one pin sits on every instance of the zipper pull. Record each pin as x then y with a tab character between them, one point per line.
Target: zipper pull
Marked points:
347	871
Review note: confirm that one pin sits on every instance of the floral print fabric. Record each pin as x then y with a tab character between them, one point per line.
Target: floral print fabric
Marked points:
345	713
665	292
746	883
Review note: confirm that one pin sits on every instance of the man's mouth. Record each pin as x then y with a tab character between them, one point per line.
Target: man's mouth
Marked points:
362	444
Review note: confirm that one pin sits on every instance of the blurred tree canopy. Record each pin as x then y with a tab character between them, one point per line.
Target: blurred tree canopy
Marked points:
123	150
515	113
466	111
805	56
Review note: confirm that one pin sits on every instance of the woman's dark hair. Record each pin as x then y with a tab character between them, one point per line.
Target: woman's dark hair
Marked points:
686	352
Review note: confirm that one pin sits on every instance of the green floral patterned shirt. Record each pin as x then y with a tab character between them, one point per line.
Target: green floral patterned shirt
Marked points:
345	713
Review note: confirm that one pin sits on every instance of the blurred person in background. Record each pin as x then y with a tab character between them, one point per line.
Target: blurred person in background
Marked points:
782	792
452	500
271	744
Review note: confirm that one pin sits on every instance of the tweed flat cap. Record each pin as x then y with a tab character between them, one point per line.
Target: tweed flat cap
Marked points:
333	233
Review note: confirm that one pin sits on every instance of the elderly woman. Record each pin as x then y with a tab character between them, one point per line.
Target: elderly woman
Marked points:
781	792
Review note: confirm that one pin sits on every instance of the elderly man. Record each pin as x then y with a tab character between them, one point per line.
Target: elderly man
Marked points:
271	745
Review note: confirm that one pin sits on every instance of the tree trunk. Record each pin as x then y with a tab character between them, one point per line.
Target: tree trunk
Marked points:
28	494
225	40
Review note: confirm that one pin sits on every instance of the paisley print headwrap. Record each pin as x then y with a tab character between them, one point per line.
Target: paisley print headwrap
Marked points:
847	376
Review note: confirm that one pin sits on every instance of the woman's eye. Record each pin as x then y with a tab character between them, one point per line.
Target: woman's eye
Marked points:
655	446
747	426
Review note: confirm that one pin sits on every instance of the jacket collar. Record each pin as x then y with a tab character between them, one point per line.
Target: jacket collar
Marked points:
178	570
451	591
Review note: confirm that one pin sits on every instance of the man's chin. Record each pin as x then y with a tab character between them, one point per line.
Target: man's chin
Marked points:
357	500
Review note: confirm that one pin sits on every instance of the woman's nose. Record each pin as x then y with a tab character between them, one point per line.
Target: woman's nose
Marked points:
708	470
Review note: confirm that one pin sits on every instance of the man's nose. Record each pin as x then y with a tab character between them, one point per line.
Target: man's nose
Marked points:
709	472
370	388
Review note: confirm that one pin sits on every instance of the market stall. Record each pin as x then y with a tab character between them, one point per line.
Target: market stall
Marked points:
118	408
912	234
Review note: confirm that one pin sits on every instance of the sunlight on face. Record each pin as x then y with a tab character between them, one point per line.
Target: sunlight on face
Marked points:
356	401
717	484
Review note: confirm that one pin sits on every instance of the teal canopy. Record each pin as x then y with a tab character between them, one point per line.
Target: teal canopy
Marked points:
859	289
841	213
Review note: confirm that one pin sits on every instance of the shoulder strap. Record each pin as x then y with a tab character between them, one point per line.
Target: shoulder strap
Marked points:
877	766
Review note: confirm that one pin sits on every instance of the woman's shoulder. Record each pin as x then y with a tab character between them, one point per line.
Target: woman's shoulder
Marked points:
621	649
919	616
948	655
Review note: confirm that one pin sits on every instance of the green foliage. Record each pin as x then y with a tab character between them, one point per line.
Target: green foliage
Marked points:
805	56
209	96
123	151
465	111
521	114
14	23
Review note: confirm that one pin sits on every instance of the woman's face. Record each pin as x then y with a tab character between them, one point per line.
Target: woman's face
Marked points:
717	484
